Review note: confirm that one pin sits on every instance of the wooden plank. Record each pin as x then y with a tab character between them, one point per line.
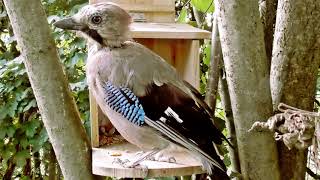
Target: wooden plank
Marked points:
182	54
162	47
94	121
187	61
103	163
147	10
169	4
167	31
160	17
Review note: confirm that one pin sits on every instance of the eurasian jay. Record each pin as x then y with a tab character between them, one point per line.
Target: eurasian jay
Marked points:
143	96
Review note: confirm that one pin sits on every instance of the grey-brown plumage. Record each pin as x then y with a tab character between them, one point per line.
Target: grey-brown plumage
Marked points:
120	71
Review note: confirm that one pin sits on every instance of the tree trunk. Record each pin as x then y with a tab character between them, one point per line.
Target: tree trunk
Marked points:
37	164
241	35
56	105
10	170
215	59
268	9
226	104
52	167
27	168
295	62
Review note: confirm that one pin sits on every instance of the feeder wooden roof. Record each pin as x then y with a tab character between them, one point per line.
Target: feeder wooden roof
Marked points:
168	31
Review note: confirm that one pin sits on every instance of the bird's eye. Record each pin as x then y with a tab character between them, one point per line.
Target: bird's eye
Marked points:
96	19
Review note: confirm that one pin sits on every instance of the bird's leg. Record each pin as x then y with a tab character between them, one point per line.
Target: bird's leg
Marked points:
143	157
163	158
120	161
127	164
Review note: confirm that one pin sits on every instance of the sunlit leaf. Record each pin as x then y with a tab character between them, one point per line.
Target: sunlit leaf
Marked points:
207	53
203	5
6	154
183	16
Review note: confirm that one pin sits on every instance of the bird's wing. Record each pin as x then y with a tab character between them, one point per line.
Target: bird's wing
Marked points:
172	113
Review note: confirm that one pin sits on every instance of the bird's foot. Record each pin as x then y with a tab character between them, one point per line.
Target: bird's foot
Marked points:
121	162
136	163
127	164
139	153
162	158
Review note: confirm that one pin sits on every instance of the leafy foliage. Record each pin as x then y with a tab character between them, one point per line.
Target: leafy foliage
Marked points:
21	130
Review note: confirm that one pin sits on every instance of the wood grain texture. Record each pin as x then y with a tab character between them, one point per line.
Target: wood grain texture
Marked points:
153	11
94	121
103	159
187	61
168	31
183	54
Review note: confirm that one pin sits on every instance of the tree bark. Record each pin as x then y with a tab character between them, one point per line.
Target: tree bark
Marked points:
56	105
226	104
27	168
37	164
198	16
268	9
10	170
295	62
215	59
243	48
52	165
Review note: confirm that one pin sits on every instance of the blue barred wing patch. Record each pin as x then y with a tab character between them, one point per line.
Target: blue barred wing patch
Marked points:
123	101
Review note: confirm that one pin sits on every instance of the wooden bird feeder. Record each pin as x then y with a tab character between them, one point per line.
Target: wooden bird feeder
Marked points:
154	26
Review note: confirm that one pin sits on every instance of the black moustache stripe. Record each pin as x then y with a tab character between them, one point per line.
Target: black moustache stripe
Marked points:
93	34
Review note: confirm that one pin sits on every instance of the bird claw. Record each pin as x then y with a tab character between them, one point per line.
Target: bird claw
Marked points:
127	164
161	158
139	153
120	161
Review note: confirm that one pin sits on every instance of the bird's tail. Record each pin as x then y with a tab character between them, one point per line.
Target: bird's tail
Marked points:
214	172
219	175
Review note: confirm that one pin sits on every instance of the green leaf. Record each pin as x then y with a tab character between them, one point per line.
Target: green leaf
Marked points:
32	103
10	131
21	156
2	132
6	154
24	143
207	54
43	136
25	178
3	113
31	127
11	108
203	5
183	16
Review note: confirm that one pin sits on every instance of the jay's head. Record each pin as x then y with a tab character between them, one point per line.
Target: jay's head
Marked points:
105	23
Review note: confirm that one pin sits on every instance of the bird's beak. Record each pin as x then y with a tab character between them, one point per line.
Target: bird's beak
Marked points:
69	23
